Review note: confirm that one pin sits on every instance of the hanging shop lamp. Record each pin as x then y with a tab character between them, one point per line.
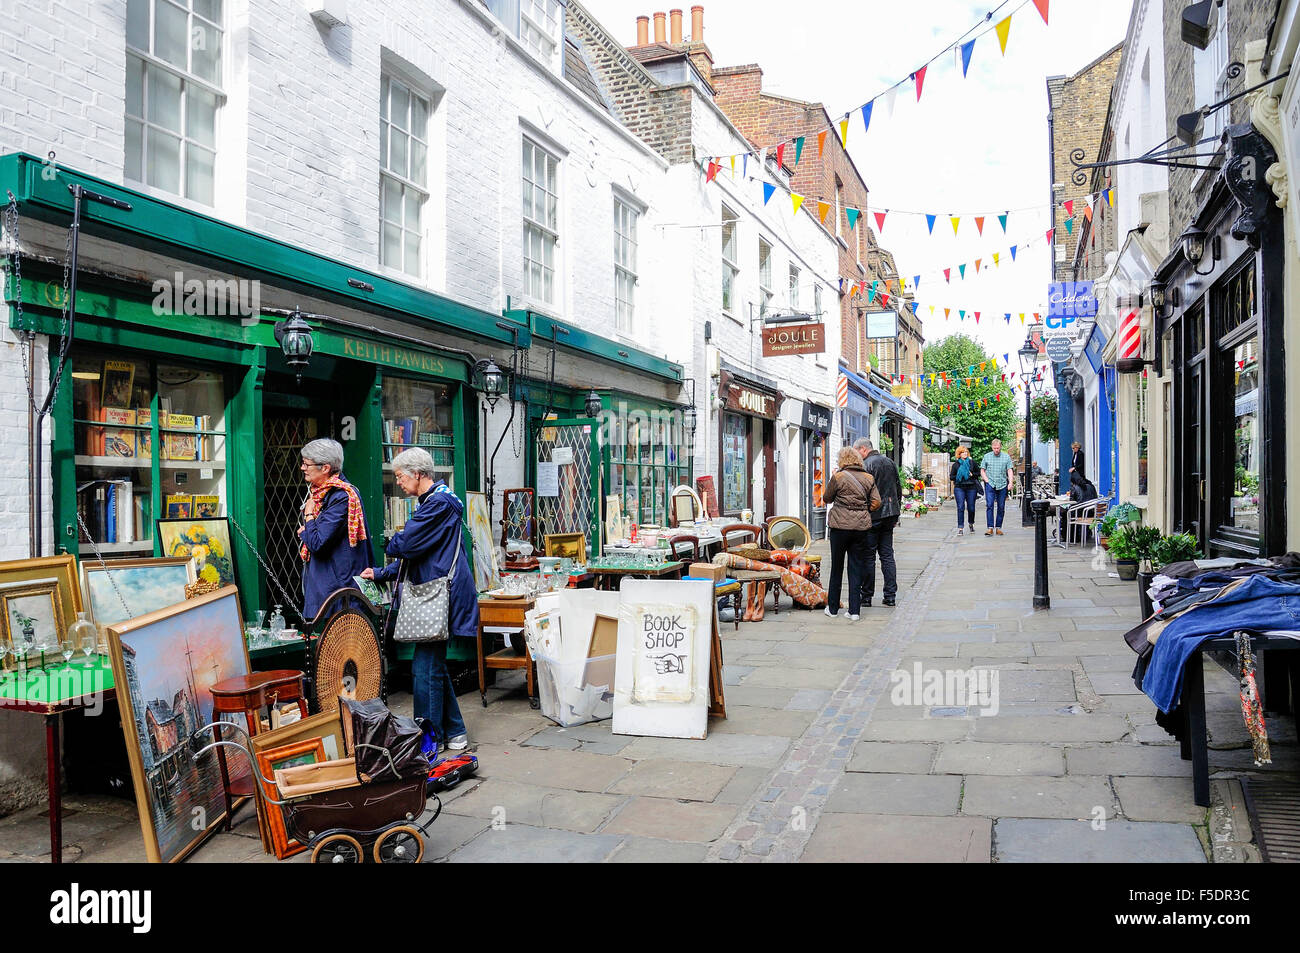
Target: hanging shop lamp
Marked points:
294	337
592	404
492	381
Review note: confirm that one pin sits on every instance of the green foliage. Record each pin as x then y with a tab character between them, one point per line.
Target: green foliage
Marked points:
1126	513
886	443
1046	415
1121	544
982	424
1144	539
1174	549
875	361
1107	525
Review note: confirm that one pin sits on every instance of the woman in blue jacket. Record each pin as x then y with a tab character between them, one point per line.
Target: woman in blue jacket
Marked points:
426	547
333	532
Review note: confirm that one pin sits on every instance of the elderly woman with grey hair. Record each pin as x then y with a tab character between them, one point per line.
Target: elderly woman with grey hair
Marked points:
333	531
426	548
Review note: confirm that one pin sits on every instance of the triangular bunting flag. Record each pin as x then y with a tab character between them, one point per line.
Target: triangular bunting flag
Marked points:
1008	322
977	265
1003	29
1022	317
1069	206
798	200
844	132
962	271
798	149
947	275
768	189
955	220
1110	197
961	314
919	76
1069	225
780	155
822	209
1013	252
929	223
912	305
733	167
977	317
983	364
931	309
713	170
916	281
1042	8
947	313
884	299
853	214
966	49
995	259
979	223
890	94
880	220
1002	220
1050	233
1087	213
821	142
866	115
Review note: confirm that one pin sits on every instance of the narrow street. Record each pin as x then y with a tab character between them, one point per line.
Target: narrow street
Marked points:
817	762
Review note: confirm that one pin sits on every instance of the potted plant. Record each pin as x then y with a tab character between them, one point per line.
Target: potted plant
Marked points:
1124	551
1165	550
1106	528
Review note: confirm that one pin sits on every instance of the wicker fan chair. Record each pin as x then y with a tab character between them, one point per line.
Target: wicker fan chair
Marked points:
346	658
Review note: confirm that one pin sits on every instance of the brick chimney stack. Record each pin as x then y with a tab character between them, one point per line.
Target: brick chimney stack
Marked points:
642	31
659	28
675	26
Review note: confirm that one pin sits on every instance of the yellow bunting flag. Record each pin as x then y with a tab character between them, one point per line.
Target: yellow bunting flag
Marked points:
822	209
733	167
955	220
1022	317
844	131
1003	29
995	259
798	200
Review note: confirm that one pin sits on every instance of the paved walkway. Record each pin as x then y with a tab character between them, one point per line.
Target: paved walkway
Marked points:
828	756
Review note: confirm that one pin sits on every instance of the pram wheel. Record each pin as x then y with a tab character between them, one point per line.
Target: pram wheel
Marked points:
400	845
338	849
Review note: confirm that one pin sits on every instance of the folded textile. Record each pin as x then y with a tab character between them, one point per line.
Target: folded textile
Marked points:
801	590
1255	603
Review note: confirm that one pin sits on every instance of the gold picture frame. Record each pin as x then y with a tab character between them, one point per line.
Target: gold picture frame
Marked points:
567	545
126	575
31	619
63	568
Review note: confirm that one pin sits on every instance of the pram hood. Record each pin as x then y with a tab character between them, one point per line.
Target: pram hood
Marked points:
391	736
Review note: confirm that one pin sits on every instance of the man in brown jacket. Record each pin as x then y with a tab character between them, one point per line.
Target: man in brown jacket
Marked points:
853	495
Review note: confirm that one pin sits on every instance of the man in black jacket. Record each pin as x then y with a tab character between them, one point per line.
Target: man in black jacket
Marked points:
880	538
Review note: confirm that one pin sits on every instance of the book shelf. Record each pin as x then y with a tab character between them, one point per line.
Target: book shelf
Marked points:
415	414
150	442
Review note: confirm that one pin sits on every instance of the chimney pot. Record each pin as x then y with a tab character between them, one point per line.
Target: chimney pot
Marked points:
675	25
642	31
659	28
697	24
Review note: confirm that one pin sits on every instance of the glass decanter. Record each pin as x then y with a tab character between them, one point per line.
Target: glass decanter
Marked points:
81	636
277	623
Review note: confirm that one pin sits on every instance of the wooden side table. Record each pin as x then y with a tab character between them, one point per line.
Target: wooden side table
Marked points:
505	614
760	577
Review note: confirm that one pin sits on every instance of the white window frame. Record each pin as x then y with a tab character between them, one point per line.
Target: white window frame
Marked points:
626	219
764	275
403	180
543	40
151	63
546	233
1210	74
794	287
730	266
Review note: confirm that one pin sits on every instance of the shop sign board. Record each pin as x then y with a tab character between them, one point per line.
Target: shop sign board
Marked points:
901	390
1067	303
1058	348
787	339
882	324
816	417
751	401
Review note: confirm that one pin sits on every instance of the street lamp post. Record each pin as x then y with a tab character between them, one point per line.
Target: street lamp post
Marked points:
1028	357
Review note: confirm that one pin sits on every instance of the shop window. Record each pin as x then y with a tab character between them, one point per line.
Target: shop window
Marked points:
1210	73
404	174
415	414
539	27
1143	396
149	442
647	459
730	269
541	221
794	288
735	463
817	300
1244	508
764	276
625	223
173	95
1238	302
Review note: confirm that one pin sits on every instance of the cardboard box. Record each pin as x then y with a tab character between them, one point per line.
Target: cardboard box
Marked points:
708	571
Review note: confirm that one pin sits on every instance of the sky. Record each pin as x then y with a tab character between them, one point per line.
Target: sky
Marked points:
971	146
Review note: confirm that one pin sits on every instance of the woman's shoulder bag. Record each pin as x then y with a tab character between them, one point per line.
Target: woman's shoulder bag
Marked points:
422	615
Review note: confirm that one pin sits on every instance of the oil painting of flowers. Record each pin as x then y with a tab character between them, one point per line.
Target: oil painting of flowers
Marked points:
206	542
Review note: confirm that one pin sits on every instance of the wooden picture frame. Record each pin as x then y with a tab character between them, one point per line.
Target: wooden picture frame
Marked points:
63	568
483	556
181	537
163	665
567	545
306	751
31	619
98	583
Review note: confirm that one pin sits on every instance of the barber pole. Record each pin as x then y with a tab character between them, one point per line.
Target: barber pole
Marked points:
1129	349
842	392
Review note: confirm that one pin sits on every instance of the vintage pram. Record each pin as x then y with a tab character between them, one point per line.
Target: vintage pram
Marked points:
363	804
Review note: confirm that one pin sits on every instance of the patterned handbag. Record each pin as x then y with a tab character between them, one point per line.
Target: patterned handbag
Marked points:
422	616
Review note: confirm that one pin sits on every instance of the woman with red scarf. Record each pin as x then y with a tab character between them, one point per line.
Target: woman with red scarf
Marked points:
335	546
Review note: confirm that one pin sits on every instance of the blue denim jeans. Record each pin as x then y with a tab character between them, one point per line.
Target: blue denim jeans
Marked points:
965	506
435	698
991	497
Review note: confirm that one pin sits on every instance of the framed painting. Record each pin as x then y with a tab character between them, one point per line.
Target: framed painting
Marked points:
205	541
480	533
307	751
570	545
62	568
165	664
325	728
125	588
33	619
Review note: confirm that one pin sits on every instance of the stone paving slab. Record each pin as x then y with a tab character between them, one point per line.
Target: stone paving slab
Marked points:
575	770
742	786
671	820
889	838
1068	797
895	794
762	721
1158	799
648	850
759	696
794	678
1113	683
537	806
929	729
900	758
450	832
718	748
660	777
1059	728
808	699
1125	759
522	844
1073	842
973	757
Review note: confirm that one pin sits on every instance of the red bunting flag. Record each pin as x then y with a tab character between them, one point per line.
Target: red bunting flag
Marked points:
780	156
1069	206
919	76
713	170
947	276
977	317
880	220
1042	8
1050	233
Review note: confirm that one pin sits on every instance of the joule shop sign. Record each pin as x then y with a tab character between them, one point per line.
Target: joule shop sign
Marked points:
1067	302
788	339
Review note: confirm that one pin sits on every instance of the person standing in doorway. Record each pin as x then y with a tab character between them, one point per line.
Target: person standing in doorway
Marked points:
333	542
965	482
995	470
880	538
1076	460
852	495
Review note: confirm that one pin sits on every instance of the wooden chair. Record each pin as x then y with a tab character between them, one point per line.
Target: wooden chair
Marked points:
740	529
680	541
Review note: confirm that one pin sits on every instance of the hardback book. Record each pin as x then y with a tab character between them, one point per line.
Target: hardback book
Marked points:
144	438
180	506
124	501
206	507
180	446
118	443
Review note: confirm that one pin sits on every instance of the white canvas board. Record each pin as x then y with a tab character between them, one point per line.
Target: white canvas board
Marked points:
578	609
661	679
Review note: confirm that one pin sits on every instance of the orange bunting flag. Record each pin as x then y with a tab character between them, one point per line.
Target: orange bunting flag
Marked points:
919	76
979	223
955	220
1003	29
1035	315
947	312
821	142
822	209
844	131
1087	213
798	200
1042	8
977	265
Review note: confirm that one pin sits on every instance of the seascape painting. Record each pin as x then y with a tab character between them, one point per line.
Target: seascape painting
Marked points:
145	585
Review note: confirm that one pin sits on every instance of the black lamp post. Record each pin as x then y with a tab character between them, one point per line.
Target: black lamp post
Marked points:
1028	358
